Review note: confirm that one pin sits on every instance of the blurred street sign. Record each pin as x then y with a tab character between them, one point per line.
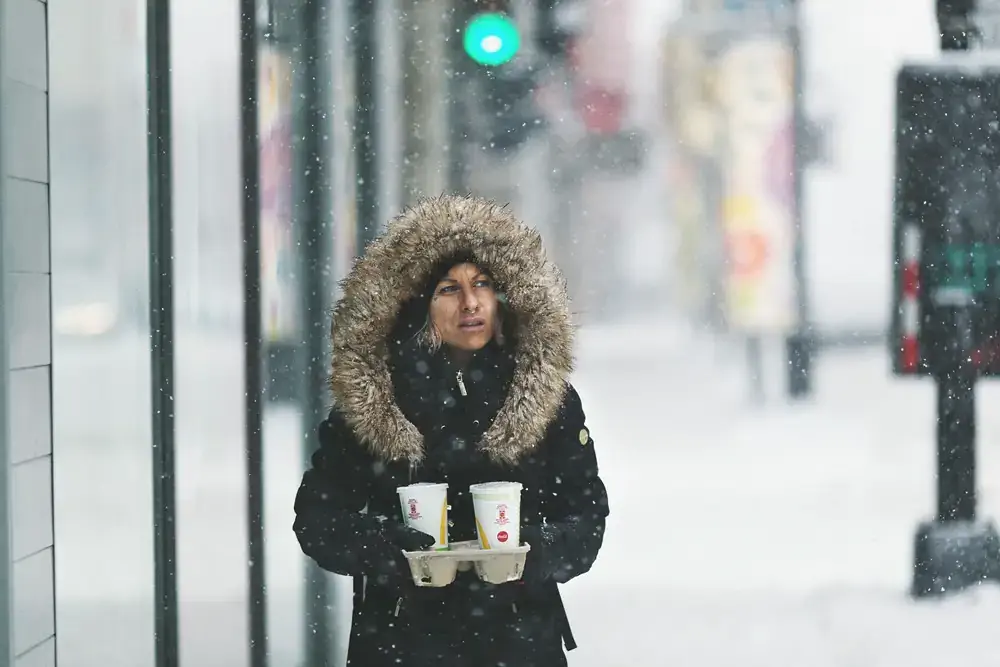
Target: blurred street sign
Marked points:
947	217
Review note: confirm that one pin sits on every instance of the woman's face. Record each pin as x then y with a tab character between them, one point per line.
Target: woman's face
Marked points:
463	309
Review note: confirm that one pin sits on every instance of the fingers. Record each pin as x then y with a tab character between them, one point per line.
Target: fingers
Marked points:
414	540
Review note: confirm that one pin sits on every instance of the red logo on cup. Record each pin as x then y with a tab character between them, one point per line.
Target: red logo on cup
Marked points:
502	536
502	519
414	514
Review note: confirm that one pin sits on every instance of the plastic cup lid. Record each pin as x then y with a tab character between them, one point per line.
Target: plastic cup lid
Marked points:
421	486
486	487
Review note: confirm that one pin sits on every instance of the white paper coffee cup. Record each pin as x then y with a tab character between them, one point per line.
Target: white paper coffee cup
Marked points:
498	514
425	508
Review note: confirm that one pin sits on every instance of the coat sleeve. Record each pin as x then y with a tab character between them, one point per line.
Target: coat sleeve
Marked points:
330	522
575	504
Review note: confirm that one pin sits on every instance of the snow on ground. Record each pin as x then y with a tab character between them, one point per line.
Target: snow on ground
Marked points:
775	536
739	535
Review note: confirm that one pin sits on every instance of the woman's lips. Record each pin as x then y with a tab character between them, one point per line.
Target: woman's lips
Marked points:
472	325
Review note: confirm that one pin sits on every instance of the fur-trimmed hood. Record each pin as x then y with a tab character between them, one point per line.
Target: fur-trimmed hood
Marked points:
392	271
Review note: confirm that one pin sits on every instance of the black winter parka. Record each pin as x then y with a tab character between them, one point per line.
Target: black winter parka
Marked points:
403	414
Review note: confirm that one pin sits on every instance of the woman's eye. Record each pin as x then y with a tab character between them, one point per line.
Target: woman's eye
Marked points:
448	289
484	283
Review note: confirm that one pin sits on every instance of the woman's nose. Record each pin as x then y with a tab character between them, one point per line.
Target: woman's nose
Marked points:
469	300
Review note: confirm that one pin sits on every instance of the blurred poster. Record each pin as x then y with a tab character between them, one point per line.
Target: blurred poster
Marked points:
693	124
755	92
279	294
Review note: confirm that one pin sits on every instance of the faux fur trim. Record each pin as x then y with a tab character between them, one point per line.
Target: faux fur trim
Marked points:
392	270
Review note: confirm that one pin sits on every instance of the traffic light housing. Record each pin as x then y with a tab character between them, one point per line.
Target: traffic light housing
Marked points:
502	75
508	102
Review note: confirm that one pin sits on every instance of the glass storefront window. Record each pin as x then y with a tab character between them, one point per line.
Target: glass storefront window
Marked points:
101	373
100	370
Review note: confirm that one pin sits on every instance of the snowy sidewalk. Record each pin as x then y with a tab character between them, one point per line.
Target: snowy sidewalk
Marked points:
775	536
778	537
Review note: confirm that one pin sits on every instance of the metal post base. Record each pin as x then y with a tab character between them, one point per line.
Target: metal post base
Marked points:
952	556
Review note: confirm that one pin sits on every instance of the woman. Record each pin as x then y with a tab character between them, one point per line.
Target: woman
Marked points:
451	353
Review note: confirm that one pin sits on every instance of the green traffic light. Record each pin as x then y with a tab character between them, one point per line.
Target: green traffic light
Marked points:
491	39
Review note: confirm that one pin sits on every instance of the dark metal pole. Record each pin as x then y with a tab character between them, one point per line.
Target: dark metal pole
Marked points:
956	392
161	334
799	345
956	550
311	151
252	332
955	25
364	38
956	446
956	387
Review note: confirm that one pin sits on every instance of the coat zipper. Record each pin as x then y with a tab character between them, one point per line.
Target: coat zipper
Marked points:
461	384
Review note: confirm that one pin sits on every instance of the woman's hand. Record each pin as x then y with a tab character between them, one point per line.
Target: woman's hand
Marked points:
408	539
388	566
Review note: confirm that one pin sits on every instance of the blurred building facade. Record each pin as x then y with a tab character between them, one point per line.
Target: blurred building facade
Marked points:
27	618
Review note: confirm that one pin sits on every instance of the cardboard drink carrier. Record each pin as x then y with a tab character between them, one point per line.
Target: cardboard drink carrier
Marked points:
439	568
497	557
